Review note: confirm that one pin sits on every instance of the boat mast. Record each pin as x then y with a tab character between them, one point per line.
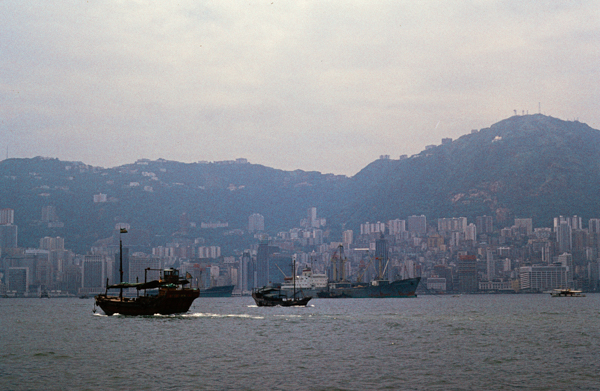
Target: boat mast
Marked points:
121	231
294	274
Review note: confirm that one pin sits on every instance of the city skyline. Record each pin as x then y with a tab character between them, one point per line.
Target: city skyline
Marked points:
286	85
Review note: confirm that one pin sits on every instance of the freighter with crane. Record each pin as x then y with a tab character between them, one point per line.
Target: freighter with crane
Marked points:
379	287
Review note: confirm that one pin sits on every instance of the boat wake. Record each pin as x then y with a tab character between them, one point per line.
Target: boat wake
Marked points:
209	315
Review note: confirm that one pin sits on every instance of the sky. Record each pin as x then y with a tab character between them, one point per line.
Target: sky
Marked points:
323	86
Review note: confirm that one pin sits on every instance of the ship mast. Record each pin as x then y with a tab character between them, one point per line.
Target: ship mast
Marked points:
121	231
294	273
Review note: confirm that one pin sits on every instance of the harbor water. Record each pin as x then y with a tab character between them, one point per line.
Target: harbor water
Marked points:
467	342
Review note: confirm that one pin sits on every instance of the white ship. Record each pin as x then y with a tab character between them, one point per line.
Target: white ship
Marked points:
308	282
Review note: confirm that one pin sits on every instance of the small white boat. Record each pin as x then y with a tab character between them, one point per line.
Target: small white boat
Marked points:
566	293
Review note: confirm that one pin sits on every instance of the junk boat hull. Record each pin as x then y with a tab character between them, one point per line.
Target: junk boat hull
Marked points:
168	296
272	297
376	289
166	303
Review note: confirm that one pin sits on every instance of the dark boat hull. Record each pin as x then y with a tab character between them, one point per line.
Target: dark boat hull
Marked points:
173	302
273	298
398	288
217	291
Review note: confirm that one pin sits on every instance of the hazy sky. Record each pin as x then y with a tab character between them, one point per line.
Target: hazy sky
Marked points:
311	85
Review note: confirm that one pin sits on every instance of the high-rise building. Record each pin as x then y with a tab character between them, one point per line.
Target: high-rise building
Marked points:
566	260
541	278
312	217
381	256
48	243
256	223
490	264
49	214
245	281
370	228
93	271
263	256
7	216
467	273
8	236
18	280
396	226
452	224
526	223
484	224
564	237
471	232
347	238
417	224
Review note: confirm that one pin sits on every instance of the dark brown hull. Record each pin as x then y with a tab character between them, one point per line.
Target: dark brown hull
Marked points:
271	300
168	303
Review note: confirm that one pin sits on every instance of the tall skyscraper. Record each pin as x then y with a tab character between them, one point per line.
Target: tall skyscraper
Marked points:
564	237
467	273
263	256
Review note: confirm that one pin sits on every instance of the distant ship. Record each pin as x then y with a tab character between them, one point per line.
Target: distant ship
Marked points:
217	291
375	289
308	283
378	288
566	293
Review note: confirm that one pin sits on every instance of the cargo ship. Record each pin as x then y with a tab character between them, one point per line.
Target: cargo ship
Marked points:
380	287
217	291
308	283
375	289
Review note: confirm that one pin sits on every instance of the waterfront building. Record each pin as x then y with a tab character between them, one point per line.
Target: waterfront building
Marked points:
542	278
467	273
436	284
18	280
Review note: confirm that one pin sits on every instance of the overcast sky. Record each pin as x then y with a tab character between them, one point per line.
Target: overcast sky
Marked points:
311	85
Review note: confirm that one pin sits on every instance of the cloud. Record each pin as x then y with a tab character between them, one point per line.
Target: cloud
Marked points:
322	86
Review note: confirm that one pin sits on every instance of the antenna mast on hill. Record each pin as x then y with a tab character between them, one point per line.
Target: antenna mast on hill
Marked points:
539	107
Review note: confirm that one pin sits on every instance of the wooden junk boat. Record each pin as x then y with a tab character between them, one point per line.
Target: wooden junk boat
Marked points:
172	297
168	295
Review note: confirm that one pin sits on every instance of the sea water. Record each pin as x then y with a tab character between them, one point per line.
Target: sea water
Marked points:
467	342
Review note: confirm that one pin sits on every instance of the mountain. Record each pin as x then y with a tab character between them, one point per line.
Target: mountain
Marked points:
525	166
